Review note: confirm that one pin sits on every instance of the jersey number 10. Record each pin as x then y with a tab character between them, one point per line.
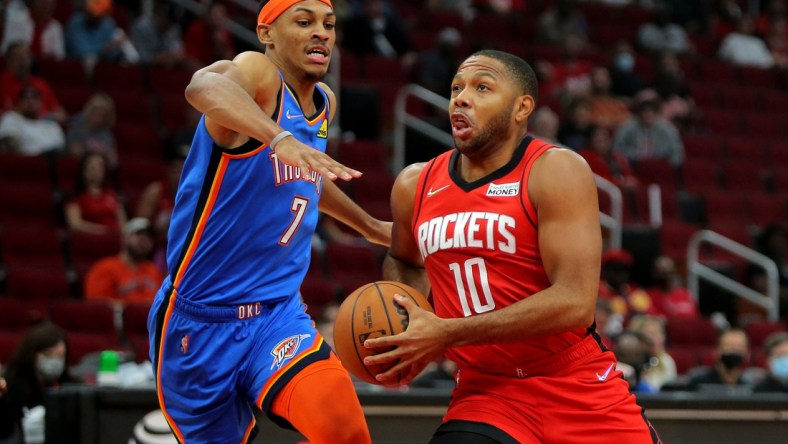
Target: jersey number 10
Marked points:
465	274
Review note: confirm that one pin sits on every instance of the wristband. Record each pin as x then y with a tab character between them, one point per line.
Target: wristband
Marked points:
278	138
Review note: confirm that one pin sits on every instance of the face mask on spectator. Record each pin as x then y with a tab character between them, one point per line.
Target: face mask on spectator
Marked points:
732	360
50	367
625	62
779	367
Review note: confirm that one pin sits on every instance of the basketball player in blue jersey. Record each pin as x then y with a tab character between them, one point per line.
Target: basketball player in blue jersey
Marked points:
228	332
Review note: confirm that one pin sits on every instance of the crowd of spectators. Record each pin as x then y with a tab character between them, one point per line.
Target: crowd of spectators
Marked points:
618	102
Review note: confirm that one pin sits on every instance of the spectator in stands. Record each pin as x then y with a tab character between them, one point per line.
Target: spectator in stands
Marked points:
130	276
22	130
570	76
662	368
624	80
607	110
544	124
608	323
669	297
17	74
670	85
36	27
724	15
777	40
157	37
38	363
91	130
662	35
607	163
634	352
772	242
742	47
96	208
438	65
575	131
377	30
156	204
776	350
732	355
769	10
92	34
207	38
648	136
625	297
561	20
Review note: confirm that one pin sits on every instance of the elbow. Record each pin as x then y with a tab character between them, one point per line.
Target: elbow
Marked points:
196	87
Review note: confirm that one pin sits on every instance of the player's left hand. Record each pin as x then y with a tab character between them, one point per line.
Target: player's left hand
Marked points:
292	152
422	342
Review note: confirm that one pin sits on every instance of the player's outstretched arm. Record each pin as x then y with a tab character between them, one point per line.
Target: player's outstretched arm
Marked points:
338	205
237	98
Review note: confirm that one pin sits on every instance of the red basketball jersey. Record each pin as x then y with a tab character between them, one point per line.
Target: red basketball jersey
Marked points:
480	247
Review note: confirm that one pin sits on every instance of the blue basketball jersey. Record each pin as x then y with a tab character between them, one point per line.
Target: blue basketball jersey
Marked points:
243	221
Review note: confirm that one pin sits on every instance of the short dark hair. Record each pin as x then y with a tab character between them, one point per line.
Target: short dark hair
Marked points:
519	69
773	340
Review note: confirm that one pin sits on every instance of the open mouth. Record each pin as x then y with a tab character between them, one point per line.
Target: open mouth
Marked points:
460	125
318	54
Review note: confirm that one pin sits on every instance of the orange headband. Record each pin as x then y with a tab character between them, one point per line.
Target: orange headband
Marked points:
274	8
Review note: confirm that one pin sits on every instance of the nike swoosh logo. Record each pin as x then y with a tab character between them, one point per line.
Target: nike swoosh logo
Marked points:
603	376
292	116
432	192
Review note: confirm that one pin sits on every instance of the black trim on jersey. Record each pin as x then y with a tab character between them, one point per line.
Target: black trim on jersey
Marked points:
210	176
323	353
317	97
424	189
252	144
160	314
517	156
478	428
655	439
523	194
591	330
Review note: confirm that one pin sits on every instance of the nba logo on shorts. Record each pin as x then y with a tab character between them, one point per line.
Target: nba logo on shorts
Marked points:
185	344
286	349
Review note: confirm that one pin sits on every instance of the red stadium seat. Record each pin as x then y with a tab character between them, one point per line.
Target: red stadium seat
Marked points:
761	124
135	329
686	358
700	175
13	315
37	283
699	332
83	344
367	156
743	149
744	176
758	331
765	209
674	238
32	246
31	204
106	75
703	147
9	341
87	317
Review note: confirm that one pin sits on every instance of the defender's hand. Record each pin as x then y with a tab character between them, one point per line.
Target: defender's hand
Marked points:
292	152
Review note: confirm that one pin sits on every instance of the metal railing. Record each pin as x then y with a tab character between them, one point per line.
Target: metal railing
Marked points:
405	120
696	271
612	221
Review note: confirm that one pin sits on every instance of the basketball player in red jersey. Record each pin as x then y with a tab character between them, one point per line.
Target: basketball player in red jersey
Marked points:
504	230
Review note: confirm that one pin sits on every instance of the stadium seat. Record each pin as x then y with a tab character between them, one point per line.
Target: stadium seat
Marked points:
32	246
18	169
761	124
765	209
367	156
674	237
353	264
744	176
37	283
135	329
697	332
87	317
13	316
743	149
703	147
700	175
82	344
106	75
758	331
725	206
31	204
686	358
8	343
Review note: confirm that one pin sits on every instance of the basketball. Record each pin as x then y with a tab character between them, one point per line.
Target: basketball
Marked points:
367	313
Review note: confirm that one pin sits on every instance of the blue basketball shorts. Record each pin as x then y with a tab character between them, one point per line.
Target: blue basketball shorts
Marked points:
214	365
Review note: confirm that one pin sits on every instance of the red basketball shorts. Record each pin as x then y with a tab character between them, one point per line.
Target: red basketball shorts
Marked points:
586	401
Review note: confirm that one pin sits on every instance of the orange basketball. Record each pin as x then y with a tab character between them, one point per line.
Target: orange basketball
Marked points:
370	312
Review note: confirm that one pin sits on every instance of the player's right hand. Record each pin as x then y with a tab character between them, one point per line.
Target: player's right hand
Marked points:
292	152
